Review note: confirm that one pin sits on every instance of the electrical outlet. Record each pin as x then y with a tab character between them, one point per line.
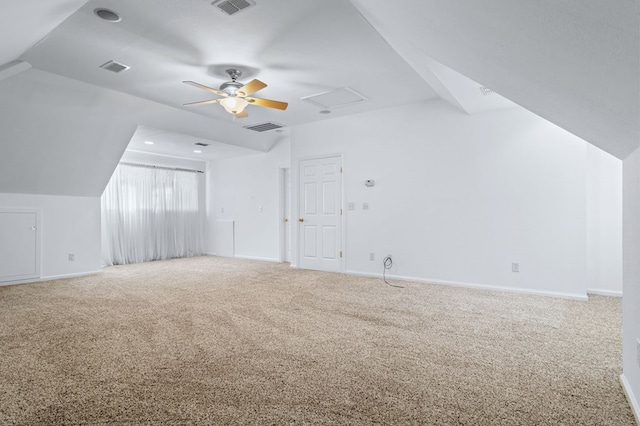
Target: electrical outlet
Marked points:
515	266
72	257
351	206
365	206
372	256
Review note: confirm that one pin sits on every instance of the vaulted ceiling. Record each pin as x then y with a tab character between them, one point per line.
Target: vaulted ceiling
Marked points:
66	121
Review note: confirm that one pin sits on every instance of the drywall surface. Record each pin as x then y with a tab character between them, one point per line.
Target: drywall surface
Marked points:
68	225
458	198
604	222
64	137
145	158
572	62
631	299
245	190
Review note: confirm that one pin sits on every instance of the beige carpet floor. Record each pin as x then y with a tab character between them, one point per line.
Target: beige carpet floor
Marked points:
224	341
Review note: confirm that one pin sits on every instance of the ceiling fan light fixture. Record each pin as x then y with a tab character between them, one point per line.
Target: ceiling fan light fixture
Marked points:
234	104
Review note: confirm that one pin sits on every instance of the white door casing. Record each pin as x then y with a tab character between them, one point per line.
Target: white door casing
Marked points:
320	210
287	215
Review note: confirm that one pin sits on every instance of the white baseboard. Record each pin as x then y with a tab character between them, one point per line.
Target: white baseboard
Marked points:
264	259
610	293
50	278
573	296
633	402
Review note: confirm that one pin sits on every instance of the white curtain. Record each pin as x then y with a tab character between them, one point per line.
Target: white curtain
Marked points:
151	214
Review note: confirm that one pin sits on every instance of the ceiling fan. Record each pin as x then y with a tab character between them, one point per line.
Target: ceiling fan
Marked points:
235	95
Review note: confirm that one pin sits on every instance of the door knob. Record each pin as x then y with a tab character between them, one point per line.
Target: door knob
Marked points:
301	220
286	219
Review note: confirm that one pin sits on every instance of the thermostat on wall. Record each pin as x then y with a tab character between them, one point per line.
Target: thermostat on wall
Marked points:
369	182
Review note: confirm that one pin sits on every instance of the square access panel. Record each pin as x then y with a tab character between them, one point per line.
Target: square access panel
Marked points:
336	98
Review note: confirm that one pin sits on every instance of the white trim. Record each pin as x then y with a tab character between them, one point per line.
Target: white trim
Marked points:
610	293
574	296
264	259
633	402
51	278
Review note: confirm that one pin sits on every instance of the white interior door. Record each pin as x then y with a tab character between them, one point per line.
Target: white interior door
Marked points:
320	221
19	246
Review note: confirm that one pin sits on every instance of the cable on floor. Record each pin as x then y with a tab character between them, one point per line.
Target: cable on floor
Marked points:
388	263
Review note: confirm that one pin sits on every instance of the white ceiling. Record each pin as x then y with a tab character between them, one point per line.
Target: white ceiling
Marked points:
24	23
163	142
299	48
574	62
65	122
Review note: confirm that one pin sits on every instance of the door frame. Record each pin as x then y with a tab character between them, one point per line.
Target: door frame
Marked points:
295	207
282	246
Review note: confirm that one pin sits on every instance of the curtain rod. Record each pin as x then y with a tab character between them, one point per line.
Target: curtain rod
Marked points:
161	167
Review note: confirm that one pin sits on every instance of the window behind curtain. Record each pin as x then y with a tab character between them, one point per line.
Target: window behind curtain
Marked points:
151	214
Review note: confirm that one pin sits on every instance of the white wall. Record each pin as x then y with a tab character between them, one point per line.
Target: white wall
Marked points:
631	301
238	188
458	198
604	222
68	225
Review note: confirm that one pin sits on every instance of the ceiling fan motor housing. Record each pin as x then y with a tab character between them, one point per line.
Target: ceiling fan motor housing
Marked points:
232	86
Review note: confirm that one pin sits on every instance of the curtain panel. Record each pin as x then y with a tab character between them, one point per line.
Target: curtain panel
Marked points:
151	214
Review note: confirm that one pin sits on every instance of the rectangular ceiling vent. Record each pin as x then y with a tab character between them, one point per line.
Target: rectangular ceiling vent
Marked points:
264	127
114	66
335	98
231	7
201	144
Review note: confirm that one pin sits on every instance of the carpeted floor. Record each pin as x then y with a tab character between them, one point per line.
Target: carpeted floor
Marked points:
224	341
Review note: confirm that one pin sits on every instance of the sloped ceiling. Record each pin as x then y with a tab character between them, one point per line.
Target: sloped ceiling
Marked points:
62	137
67	118
65	122
573	62
24	23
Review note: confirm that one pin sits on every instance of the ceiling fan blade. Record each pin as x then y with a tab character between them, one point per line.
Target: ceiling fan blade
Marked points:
211	101
242	114
251	87
207	88
268	103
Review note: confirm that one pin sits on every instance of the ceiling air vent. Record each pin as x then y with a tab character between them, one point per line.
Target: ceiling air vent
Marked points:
335	98
263	127
201	144
231	7
114	66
